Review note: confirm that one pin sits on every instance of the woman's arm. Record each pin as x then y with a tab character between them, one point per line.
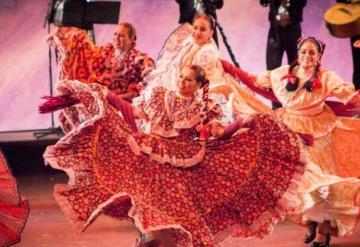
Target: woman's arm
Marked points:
217	130
225	132
124	107
258	84
341	90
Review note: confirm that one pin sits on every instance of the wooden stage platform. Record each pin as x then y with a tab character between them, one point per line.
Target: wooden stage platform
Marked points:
30	136
47	226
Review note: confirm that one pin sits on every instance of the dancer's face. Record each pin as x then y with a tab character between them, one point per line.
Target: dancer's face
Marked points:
187	84
308	55
202	32
121	39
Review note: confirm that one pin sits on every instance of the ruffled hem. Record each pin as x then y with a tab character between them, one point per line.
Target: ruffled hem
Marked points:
259	228
23	208
165	158
197	199
132	214
66	207
14	209
263	226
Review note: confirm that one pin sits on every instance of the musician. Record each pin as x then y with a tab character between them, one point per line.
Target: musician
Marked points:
189	8
355	53
355	50
285	17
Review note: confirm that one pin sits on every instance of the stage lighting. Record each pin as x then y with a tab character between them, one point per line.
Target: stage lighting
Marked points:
82	14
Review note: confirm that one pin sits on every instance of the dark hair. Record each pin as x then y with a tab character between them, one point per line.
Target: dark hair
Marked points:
293	81
200	74
200	77
320	46
226	43
131	30
208	18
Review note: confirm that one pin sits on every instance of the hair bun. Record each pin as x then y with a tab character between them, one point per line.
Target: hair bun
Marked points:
204	82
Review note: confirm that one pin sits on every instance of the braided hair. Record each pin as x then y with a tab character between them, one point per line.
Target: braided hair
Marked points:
314	81
226	43
200	77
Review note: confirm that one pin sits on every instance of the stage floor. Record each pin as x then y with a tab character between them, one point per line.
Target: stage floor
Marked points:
47	226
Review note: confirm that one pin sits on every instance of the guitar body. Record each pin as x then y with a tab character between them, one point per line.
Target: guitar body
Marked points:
343	20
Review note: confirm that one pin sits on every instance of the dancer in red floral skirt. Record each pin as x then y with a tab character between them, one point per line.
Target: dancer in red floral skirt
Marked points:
13	209
239	182
117	65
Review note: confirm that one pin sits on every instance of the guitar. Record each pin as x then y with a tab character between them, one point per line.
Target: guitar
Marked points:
343	20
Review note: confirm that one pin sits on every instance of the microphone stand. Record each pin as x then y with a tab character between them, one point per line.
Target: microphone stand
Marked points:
52	130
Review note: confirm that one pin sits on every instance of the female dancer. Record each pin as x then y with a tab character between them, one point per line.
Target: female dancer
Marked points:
190	45
199	191
302	89
117	65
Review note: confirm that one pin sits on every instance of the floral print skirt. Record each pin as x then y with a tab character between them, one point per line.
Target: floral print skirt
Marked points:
241	188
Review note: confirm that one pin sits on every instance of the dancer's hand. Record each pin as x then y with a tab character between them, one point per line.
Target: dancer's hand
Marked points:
105	91
216	129
50	39
357	43
354	105
204	131
229	130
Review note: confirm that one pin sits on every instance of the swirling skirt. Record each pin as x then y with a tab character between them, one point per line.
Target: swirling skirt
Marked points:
241	188
13	209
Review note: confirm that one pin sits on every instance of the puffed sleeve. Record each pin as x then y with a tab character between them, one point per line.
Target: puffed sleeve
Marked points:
146	65
338	88
208	59
210	62
215	113
151	105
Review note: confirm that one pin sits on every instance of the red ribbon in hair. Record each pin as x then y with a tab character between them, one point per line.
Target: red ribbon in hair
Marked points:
290	79
316	83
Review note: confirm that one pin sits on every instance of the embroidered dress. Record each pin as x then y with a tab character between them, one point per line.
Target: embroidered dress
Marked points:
179	51
337	140
81	60
14	209
201	192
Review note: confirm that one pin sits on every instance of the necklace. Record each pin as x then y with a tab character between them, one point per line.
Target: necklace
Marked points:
117	60
172	99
